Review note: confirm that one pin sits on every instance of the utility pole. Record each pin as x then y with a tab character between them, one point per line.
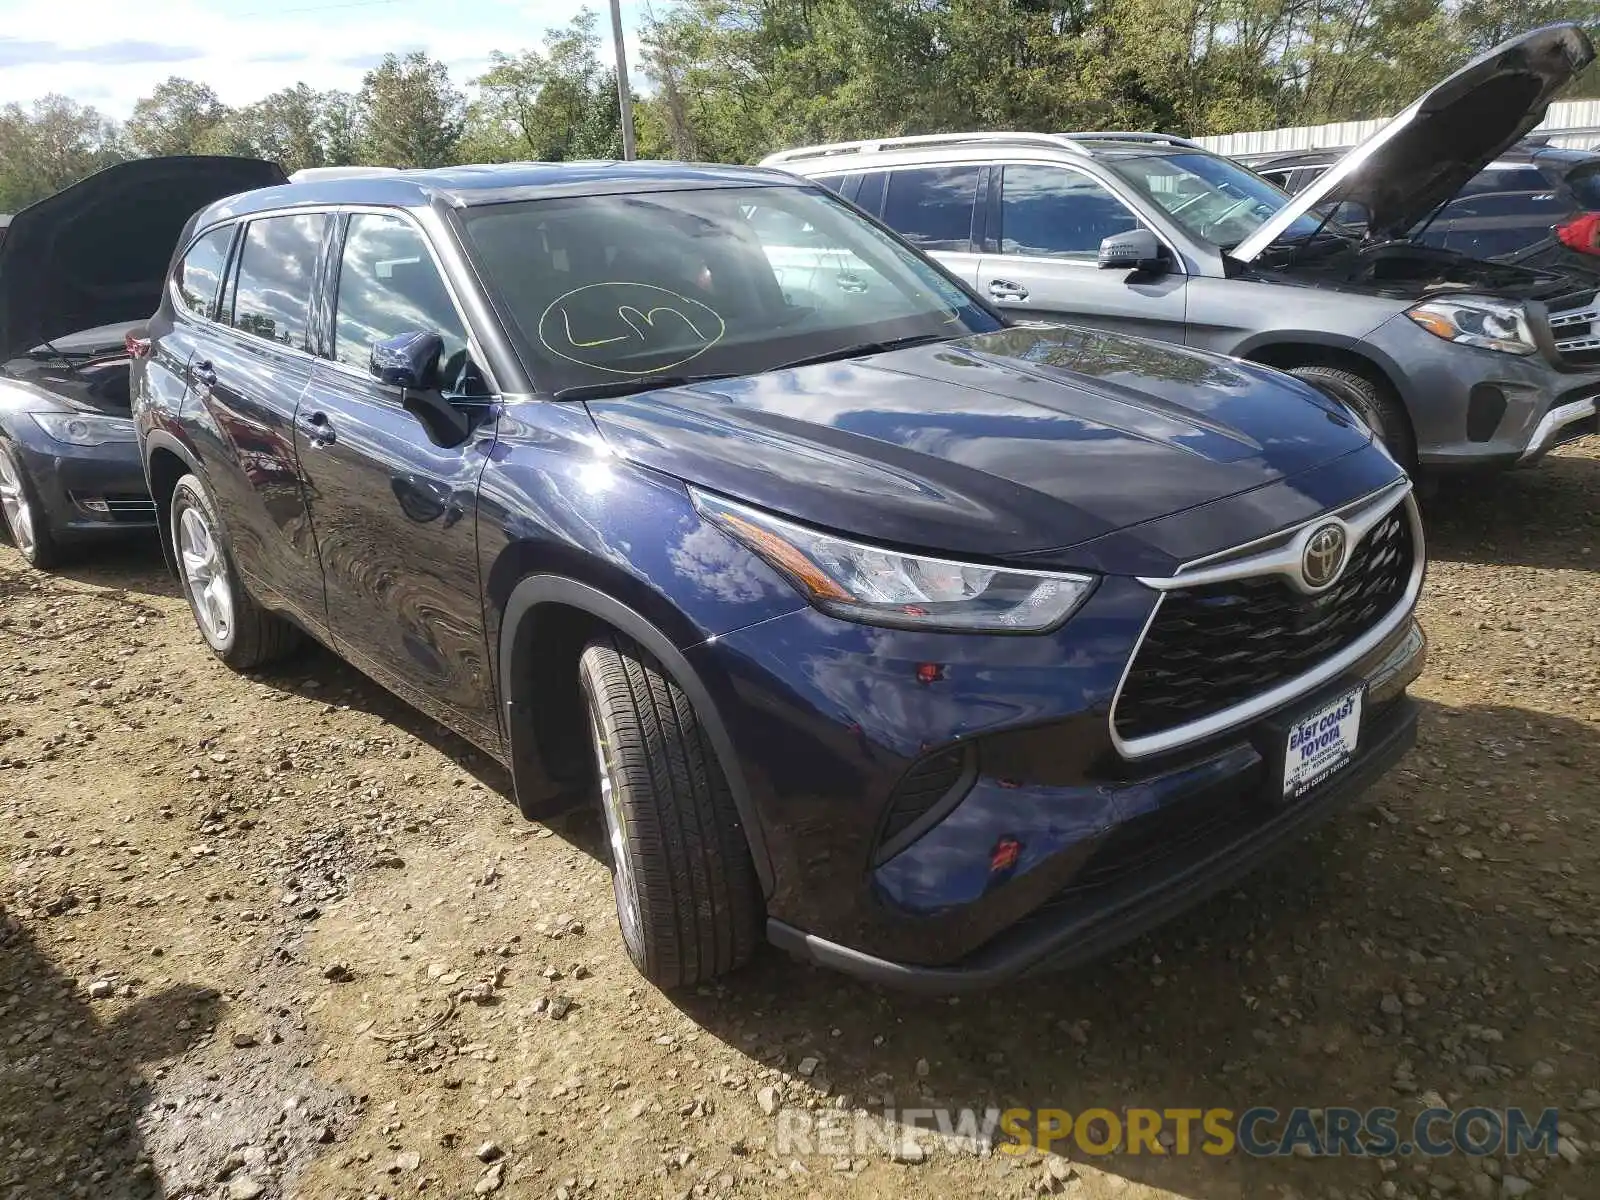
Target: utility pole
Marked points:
624	91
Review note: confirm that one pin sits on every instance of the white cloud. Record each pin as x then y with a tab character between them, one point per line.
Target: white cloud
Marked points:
247	48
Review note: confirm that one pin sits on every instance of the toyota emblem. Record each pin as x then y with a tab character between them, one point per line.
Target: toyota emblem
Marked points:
1323	556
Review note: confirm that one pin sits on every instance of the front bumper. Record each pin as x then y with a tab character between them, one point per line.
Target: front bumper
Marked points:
1472	408
88	491
830	720
1080	927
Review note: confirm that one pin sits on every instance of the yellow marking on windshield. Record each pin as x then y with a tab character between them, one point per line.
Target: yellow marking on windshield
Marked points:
642	319
566	319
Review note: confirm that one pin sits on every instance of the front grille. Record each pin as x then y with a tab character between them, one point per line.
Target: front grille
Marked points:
1217	645
1577	332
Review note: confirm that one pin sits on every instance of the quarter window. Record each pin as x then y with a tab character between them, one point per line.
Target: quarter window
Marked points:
388	285
201	270
272	294
932	206
1058	213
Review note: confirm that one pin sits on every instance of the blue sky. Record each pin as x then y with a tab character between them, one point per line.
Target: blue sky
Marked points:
108	53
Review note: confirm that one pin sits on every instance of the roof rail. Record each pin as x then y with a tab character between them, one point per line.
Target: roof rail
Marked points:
306	174
1125	135
1058	141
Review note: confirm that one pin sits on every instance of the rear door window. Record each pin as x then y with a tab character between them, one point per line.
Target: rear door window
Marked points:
931	207
277	267
201	270
1056	212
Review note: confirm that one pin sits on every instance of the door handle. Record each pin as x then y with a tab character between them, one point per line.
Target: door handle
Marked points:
205	374
1004	289
317	429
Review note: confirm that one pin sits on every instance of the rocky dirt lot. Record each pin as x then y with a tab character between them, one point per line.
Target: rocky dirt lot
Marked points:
282	937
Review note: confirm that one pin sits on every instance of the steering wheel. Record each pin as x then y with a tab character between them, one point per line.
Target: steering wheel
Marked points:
1228	214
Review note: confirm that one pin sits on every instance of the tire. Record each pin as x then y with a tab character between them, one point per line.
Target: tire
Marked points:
687	897
238	630
23	519
1372	402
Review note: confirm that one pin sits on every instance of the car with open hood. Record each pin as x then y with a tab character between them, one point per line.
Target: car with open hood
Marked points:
80	272
1536	205
1456	362
929	647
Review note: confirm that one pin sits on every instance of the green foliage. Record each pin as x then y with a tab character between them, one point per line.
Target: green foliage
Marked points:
297	127
48	146
732	80
175	118
410	115
547	107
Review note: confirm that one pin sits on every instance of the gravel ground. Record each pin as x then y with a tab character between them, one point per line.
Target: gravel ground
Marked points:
281	936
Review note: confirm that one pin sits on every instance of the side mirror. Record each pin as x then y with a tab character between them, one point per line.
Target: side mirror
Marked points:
408	360
1136	250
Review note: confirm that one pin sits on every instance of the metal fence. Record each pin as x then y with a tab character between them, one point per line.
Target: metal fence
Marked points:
1569	123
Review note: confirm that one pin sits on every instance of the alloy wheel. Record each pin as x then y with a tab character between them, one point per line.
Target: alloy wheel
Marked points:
15	507
622	883
205	575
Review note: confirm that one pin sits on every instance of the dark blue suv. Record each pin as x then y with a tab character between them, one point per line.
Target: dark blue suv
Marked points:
931	647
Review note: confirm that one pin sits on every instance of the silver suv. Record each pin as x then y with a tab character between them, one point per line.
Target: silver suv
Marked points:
1453	361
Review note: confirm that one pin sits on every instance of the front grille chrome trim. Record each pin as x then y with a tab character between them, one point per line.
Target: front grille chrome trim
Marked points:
1284	558
1364	514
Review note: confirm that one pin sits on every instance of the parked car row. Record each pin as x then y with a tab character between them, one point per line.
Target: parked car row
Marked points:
1455	362
925	642
1536	204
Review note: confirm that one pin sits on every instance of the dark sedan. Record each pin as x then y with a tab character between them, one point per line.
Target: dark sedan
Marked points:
79	274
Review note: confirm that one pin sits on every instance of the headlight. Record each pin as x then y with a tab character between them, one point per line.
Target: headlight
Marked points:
1476	321
83	429
884	587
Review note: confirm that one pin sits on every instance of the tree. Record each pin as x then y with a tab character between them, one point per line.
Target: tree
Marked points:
548	107
410	115
293	127
49	145
175	118
339	127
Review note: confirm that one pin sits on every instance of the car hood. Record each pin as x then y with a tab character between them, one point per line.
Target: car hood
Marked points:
1424	156
96	252
999	444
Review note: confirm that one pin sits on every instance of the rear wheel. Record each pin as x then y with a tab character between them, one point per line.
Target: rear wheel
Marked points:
686	892
23	516
1373	403
239	631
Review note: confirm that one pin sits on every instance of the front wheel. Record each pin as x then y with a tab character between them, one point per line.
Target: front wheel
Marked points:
238	630
1372	403
686	892
22	516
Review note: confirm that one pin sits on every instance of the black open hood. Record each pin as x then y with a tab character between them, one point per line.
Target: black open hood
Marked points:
96	253
1424	156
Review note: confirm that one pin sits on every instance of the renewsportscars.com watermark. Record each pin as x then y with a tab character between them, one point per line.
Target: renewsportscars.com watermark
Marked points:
1331	1131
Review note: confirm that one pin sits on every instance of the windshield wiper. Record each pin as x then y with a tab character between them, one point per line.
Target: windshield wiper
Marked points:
861	348
629	387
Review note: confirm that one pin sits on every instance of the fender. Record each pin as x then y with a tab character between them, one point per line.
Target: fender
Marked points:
534	788
1261	348
160	439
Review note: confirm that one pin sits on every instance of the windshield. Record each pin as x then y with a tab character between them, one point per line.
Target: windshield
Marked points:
1214	199
605	289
